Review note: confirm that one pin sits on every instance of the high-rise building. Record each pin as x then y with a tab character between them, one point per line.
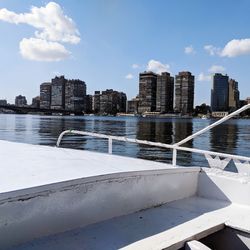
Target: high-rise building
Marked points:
164	93
184	92
36	102
112	102
233	95
45	95
96	102
219	93
75	93
58	93
20	101
3	102
88	104
122	105
132	105
147	92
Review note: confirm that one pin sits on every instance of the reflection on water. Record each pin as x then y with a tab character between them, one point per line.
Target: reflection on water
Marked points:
182	129
232	137
224	135
157	131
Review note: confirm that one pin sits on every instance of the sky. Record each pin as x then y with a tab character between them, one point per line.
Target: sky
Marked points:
107	43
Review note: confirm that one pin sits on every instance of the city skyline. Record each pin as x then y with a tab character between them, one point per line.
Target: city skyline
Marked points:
108	43
158	93
166	89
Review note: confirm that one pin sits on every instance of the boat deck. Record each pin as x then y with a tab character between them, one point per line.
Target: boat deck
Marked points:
33	165
165	227
56	198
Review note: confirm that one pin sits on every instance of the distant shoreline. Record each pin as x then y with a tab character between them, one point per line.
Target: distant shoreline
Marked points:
159	116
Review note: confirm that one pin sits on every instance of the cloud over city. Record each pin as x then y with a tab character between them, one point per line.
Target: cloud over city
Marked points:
52	28
189	50
129	76
236	47
135	66
216	69
212	50
203	77
157	66
42	50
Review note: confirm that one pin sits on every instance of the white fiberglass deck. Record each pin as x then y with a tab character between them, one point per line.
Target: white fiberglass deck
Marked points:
24	166
155	228
55	198
165	227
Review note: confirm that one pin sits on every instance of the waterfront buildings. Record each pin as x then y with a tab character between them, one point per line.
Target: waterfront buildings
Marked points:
132	105
96	102
36	102
75	94
225	95
107	101
3	102
58	93
147	92
156	93
219	114
20	101
164	93
45	95
184	93
88	104
63	94
233	95
122	102
112	102
220	92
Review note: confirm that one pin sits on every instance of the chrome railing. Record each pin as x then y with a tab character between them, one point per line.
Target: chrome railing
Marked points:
215	159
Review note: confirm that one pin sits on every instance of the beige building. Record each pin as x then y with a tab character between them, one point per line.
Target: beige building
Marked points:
233	95
184	93
147	92
132	105
164	93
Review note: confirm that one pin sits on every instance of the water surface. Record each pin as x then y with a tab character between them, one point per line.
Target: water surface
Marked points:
232	137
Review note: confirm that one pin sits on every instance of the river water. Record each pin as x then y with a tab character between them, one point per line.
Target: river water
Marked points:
232	137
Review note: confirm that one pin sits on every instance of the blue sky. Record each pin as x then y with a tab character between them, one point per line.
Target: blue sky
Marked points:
107	43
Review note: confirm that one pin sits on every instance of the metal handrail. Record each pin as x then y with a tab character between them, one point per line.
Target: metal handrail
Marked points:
209	127
173	147
111	137
215	124
149	143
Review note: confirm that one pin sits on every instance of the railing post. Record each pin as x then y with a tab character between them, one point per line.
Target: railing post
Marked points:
174	157
110	145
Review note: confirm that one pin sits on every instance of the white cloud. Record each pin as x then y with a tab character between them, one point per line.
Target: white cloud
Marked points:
50	22
204	78
189	50
213	69
41	50
129	76
212	50
157	67
52	28
135	66
216	69
233	48
236	47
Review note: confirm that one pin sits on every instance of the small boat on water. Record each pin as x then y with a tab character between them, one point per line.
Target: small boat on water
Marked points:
60	198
